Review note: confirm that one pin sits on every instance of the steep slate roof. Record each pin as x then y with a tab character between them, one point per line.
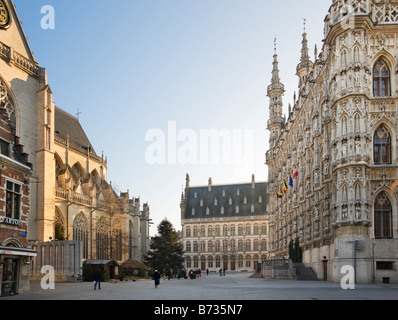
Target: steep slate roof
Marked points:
68	125
134	264
223	194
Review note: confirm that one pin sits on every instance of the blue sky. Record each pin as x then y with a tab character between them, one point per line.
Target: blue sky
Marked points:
132	66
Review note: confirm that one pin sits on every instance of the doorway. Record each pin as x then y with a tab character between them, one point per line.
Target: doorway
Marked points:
9	285
233	263
325	270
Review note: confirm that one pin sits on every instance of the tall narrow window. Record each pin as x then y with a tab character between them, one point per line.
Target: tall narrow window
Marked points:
80	233
13	200
4	148
381	79
383	217
382	146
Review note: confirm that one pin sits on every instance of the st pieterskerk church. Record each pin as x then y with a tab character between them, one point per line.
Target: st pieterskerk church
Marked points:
53	183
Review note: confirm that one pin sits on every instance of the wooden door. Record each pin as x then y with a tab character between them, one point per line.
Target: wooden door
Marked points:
325	270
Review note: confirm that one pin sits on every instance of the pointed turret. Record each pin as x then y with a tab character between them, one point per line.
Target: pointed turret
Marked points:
305	67
275	93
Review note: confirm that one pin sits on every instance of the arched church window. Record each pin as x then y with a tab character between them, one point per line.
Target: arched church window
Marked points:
77	172
59	228
80	233
7	103
381	79
382	146
103	239
383	217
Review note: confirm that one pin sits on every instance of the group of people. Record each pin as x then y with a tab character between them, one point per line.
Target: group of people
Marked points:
192	274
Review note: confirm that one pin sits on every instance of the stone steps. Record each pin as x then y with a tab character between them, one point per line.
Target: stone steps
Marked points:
256	275
305	273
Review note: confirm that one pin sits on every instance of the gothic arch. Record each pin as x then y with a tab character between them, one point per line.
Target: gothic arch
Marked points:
59	217
357	191
9	103
386	56
384	215
356	48
81	232
103	238
58	160
388	149
77	171
357	121
95	176
345	190
343	56
344	123
383	84
387	123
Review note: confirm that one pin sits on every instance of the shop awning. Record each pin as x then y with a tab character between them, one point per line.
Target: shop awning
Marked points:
11	251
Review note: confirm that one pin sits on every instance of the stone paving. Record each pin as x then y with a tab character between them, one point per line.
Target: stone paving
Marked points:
232	287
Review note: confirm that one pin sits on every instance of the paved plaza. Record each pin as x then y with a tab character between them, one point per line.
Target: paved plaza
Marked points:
232	287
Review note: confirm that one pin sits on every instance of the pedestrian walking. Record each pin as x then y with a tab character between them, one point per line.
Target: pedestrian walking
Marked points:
156	278
220	272
207	271
97	280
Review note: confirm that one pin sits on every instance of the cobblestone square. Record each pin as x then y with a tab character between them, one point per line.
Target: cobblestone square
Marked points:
232	287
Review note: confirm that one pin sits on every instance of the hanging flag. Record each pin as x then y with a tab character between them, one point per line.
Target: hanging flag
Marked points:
279	196
280	193
290	181
284	187
295	173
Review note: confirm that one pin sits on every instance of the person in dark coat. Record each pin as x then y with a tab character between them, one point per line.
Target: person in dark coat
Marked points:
97	280
156	278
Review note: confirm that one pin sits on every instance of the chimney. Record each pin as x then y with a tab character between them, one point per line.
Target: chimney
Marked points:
210	184
253	181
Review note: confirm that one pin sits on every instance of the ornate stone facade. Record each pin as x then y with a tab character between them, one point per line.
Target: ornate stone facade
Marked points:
341	136
67	193
86	207
225	226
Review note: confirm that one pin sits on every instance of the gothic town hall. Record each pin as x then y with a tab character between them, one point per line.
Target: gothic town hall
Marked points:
333	160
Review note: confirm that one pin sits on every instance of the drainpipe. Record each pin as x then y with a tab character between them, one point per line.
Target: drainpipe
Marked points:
373	263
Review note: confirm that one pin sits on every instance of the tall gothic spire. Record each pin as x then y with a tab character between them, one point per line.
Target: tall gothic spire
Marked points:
275	92
275	81
305	61
305	66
